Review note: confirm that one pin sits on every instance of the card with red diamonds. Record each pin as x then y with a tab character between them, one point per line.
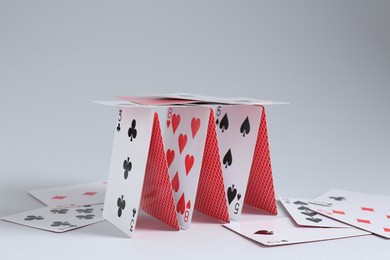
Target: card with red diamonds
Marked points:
72	196
59	220
365	211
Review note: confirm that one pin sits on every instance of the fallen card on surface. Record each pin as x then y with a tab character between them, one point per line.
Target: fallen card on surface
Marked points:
282	231
72	196
59	219
301	213
366	211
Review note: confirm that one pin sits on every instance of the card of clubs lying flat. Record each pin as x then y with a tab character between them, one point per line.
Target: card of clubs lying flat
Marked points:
282	231
72	196
301	213
59	219
366	211
128	164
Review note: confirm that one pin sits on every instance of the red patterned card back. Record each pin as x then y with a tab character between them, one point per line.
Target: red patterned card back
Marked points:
157	197
210	196
260	190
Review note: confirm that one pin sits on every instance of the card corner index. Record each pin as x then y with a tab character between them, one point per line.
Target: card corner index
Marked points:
260	189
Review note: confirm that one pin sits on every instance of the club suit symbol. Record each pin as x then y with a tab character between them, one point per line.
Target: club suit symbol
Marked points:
127	165
132	133
121	203
338	198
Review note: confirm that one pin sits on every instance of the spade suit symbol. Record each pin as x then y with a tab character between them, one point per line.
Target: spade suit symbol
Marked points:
227	159
224	124
231	194
245	127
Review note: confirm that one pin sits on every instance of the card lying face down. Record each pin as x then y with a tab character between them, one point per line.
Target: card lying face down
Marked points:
209	157
282	231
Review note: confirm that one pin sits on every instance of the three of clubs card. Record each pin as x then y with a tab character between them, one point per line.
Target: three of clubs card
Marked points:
127	170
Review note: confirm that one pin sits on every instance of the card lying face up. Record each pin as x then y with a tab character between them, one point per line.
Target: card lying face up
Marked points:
365	211
59	220
195	154
282	231
72	196
299	210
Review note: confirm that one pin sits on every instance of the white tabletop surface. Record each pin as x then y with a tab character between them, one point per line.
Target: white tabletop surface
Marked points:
329	59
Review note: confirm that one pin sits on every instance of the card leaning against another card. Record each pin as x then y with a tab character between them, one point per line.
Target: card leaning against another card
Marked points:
184	140
128	164
59	220
237	130
366	211
301	213
72	196
282	231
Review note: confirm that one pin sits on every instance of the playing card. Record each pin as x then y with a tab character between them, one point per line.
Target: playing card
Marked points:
237	129
155	100
301	213
193	98
184	140
282	231
366	211
157	198
59	220
260	192
127	170
72	196
211	196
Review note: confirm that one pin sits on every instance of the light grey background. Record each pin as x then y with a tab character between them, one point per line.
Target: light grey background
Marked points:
330	59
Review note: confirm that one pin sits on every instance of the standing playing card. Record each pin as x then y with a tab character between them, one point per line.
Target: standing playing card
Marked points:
282	231
184	139
301	213
127	170
366	211
237	131
189	161
260	190
211	196
72	196
59	220
157	198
